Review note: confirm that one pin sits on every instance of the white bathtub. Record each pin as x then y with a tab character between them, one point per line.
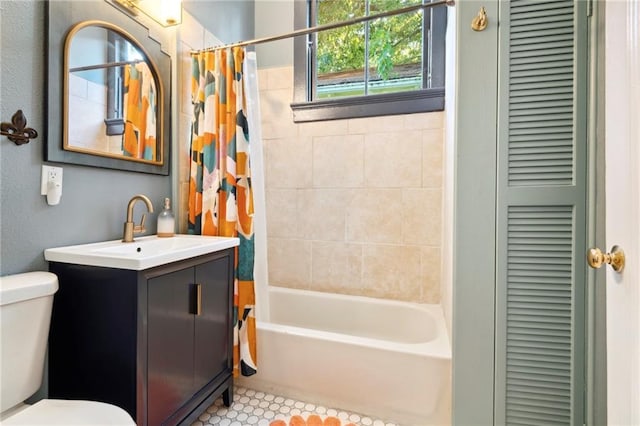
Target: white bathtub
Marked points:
382	358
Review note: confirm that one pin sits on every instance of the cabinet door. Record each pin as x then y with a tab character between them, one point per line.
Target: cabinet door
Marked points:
170	344
212	325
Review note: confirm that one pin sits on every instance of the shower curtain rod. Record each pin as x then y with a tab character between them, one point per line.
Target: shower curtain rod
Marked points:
109	65
325	27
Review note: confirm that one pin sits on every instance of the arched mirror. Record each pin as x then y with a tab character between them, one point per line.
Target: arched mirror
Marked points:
108	91
112	102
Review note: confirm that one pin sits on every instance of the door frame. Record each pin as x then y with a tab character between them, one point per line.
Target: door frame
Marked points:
596	338
622	209
474	233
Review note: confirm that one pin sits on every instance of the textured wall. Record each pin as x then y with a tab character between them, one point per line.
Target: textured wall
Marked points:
94	201
274	17
229	20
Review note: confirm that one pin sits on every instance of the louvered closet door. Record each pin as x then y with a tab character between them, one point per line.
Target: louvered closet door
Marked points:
542	167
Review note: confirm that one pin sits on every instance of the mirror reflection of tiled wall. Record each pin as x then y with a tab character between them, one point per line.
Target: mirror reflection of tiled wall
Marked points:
86	128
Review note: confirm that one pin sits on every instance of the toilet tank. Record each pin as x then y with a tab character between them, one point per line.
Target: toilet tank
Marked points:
25	314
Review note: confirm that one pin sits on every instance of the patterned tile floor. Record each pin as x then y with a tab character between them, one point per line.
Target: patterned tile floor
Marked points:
252	407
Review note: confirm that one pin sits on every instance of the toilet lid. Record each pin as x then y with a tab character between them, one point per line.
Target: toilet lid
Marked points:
66	412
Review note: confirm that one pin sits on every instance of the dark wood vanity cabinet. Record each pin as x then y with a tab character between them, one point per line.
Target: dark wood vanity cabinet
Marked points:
156	342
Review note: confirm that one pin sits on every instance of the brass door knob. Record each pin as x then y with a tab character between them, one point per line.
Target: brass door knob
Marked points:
596	258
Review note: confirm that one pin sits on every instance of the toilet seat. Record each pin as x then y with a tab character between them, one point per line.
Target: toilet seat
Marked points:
68	412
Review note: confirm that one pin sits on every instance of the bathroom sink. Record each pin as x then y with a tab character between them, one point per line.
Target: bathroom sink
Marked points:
144	252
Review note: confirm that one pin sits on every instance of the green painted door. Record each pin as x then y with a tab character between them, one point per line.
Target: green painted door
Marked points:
541	210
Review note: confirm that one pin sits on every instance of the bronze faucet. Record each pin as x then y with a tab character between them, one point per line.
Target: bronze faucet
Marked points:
129	227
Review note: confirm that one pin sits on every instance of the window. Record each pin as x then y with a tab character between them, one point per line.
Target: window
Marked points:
390	65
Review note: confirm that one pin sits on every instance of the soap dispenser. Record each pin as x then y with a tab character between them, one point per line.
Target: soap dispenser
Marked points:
166	221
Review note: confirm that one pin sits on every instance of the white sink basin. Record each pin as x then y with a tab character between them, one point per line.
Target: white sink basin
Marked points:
144	252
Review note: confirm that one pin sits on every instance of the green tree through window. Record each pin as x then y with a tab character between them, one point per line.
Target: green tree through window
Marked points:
380	56
388	65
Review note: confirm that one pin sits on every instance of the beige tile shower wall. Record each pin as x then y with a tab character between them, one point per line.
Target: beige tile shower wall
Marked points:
353	206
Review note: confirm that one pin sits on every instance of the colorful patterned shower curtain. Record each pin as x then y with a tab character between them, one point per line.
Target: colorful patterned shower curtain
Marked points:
140	97
220	196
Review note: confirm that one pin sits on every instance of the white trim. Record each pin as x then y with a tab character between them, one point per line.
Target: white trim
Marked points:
623	209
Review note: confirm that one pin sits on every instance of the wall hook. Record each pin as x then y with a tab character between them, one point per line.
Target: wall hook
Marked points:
480	22
17	131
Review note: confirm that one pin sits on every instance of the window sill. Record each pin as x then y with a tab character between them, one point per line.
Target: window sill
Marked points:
115	126
369	106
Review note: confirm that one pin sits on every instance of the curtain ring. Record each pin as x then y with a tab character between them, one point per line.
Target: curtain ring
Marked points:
481	21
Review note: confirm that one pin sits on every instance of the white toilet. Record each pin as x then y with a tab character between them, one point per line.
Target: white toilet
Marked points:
25	314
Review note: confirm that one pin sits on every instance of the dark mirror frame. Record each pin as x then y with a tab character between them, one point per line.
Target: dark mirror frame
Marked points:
62	16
